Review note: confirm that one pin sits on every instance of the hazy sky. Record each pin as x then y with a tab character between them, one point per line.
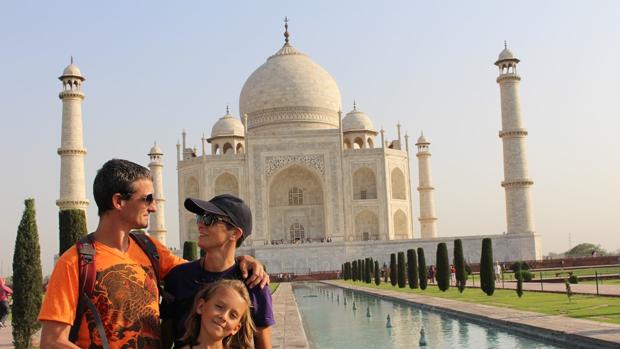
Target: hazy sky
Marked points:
155	68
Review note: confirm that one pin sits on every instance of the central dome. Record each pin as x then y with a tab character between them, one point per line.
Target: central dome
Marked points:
290	89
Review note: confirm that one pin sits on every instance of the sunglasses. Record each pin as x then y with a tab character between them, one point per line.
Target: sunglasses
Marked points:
148	199
210	219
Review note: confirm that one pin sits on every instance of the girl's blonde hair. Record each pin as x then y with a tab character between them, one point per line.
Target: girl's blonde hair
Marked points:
244	338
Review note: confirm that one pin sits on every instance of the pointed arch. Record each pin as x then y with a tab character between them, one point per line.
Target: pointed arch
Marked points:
364	184
399	189
366	226
347	143
370	142
227	149
358	143
226	183
401	230
240	149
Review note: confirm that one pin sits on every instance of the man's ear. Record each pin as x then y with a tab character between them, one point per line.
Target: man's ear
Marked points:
117	201
199	306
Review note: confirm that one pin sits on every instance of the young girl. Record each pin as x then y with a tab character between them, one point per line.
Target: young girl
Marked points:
220	317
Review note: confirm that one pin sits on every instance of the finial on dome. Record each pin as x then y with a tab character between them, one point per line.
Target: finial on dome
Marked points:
286	34
227	110
71	59
505	44
354	105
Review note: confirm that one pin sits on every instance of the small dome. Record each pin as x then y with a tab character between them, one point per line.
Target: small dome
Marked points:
227	126
422	140
72	70
357	120
155	150
506	55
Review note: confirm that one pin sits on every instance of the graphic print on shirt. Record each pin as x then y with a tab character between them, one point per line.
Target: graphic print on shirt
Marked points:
126	297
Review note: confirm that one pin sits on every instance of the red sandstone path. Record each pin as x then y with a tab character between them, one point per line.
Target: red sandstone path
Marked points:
6	337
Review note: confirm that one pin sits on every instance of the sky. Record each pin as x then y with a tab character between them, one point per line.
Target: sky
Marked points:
154	68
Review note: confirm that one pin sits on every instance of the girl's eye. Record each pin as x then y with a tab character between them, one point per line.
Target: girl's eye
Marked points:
218	306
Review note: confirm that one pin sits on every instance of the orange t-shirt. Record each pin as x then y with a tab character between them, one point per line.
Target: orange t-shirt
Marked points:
125	295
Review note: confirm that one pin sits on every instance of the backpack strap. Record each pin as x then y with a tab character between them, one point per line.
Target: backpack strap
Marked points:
149	248
87	277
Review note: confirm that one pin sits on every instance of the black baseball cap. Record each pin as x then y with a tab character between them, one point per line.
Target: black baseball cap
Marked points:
225	205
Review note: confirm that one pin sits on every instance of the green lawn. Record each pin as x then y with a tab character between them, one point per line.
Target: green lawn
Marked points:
552	273
273	287
604	309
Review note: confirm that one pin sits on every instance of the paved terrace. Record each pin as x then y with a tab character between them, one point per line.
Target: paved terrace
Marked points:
570	332
288	333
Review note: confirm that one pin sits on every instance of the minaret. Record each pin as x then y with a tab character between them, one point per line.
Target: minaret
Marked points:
157	223
517	184
428	220
71	151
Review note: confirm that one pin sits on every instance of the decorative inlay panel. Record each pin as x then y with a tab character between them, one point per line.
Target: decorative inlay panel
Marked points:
274	163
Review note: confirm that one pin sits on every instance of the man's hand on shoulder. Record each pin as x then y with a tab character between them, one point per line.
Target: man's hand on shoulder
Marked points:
258	277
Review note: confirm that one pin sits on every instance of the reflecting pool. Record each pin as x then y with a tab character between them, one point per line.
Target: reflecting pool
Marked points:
337	318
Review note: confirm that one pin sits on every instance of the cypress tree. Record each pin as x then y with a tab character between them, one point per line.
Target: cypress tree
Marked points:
189	250
412	268
401	269
459	265
487	276
369	269
443	267
423	273
361	263
519	282
393	277
72	227
27	279
377	274
354	275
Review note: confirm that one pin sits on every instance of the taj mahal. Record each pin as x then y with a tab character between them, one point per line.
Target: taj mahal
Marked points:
324	186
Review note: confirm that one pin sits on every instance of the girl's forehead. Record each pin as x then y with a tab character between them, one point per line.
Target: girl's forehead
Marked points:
229	296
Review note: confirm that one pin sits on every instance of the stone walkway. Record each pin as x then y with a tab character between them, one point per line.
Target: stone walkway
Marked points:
288	332
570	332
6	336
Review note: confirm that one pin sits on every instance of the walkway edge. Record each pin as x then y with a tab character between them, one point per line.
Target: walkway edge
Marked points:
565	331
288	332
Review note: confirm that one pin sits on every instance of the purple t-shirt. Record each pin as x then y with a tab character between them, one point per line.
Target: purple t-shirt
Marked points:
185	280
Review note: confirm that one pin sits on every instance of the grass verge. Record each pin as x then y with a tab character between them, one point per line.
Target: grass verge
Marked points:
273	287
595	308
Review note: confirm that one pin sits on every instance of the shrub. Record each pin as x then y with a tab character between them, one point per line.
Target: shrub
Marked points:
443	267
393	276
72	227
369	270
524	275
189	250
459	265
377	274
487	275
422	269
514	266
573	279
27	279
347	271
354	275
412	269
401	269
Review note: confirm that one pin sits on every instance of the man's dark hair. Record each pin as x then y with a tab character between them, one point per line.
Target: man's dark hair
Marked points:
116	176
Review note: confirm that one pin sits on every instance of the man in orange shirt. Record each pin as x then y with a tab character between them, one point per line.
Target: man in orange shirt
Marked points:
125	292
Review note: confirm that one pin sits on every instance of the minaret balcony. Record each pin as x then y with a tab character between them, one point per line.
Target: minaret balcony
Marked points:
508	77
517	183
519	132
71	94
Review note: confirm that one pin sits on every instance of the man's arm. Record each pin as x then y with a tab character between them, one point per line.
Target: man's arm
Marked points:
262	338
55	335
258	277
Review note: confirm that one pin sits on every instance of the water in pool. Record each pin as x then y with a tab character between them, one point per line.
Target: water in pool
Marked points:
362	323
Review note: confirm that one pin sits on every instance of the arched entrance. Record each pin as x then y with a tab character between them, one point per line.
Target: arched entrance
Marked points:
296	201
